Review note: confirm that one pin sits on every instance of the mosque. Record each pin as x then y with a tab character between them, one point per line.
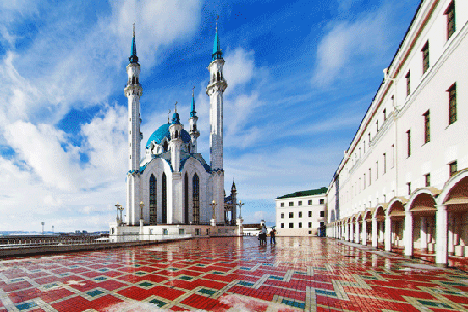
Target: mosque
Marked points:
172	189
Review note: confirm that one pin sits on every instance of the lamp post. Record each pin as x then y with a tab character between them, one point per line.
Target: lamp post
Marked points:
117	218
53	230
240	204
42	223
213	206
141	217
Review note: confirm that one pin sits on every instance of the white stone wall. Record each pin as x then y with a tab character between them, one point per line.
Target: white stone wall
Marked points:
315	218
428	91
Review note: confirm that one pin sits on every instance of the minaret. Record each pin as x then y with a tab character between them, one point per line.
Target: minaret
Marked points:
133	91
194	133
215	90
234	200
175	129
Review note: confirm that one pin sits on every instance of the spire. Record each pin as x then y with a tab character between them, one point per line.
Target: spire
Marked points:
133	53
217	53
175	116
233	187
193	113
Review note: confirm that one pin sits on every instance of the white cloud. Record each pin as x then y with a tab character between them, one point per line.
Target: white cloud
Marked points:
41	148
239	68
347	41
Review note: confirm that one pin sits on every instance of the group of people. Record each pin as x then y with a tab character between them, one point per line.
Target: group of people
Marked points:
262	236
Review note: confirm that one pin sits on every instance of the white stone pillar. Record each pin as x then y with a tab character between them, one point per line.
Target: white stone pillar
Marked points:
356	232
374	232
381	232
351	232
364	233
423	234
388	234
441	236
451	226
408	236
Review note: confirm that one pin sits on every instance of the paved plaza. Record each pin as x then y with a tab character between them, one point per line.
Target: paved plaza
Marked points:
219	274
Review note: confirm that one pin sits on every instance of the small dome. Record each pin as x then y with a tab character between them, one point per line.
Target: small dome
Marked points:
163	132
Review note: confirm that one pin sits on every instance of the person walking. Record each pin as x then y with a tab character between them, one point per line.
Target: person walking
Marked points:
263	238
273	236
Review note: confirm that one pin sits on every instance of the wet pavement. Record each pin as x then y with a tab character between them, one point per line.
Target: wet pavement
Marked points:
235	274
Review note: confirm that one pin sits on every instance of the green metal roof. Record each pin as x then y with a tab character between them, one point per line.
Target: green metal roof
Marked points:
322	190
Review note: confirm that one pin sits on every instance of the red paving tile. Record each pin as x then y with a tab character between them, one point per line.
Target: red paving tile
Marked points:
221	273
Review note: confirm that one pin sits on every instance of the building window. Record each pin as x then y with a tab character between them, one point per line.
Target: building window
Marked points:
310	225
409	187
291	204
310	214
453	168
408	142
385	113
369	138
300	225
425	55
322	214
300	214
452	103
370	176
196	199
377	126
427	127
427	178
450	12
376	170
291	214
153	200
299	203
364	180
282	225
322	224
309	202
393	155
291	225
164	199
282	215
384	163
282	204
408	83
186	198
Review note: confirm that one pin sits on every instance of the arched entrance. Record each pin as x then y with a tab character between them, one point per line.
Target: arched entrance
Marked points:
394	225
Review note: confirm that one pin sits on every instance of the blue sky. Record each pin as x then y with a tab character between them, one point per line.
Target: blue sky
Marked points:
301	75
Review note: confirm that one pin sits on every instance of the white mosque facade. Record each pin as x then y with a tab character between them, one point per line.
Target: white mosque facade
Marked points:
172	189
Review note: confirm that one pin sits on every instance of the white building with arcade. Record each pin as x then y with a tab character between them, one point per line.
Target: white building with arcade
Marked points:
402	184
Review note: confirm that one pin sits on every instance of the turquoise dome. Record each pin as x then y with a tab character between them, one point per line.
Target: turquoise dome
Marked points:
163	132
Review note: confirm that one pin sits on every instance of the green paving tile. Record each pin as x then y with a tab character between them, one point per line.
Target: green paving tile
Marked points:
434	304
158	303
95	293
207	291
146	284
26	305
186	278
243	283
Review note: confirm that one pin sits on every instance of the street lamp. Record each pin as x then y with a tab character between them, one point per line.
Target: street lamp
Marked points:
213	206
43	227
117	218
240	204
141	210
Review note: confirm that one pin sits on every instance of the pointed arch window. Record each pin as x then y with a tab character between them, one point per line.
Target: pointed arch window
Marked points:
186	198
165	146
196	199
153	200
164	199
